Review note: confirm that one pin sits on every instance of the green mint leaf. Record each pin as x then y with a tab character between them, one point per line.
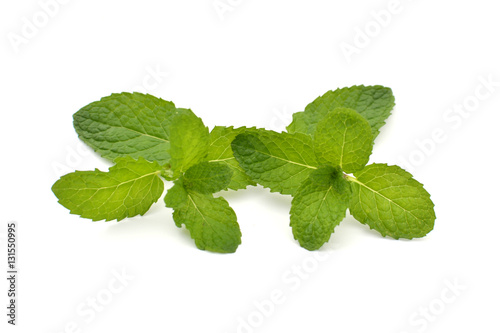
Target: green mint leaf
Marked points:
176	196
278	161
128	189
207	177
126	124
343	137
374	103
220	151
189	141
318	206
389	200
210	221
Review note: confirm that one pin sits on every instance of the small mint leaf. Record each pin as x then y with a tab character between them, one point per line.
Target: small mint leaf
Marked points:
210	221
207	177
318	206
343	137
220	151
278	161
176	196
189	141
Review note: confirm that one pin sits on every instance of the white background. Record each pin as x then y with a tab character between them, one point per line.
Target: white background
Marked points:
253	65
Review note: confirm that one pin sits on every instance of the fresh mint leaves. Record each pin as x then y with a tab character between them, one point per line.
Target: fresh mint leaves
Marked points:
148	138
321	161
330	140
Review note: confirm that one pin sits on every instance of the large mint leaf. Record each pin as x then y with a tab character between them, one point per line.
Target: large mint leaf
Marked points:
210	221
278	161
126	124
128	189
318	206
220	151
343	137
389	200
374	103
189	141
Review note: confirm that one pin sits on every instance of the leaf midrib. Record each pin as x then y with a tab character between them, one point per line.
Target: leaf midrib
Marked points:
383	196
116	185
135	131
285	160
321	204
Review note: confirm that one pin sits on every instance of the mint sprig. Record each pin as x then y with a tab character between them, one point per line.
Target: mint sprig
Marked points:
321	161
148	139
337	143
